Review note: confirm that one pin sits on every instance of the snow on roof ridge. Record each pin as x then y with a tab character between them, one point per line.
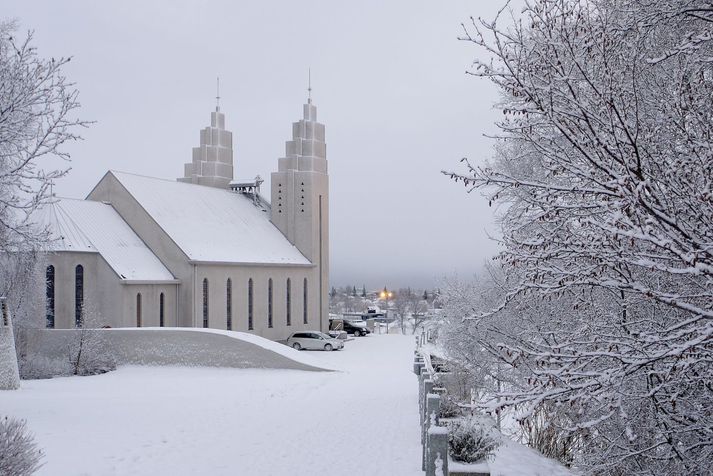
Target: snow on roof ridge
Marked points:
169	180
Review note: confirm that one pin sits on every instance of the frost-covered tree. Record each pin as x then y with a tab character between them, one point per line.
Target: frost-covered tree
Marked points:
418	309
22	279
604	166
37	118
89	352
37	107
400	307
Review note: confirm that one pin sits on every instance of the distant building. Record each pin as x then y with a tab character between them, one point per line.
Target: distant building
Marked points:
202	251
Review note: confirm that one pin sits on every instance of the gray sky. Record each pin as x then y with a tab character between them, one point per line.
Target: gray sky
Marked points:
388	81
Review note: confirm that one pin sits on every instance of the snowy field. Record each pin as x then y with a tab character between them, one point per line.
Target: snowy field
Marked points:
362	420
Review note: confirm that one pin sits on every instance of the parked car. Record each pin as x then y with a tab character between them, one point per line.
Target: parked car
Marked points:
358	328
314	340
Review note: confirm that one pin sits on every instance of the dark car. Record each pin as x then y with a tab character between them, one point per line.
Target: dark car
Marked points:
358	328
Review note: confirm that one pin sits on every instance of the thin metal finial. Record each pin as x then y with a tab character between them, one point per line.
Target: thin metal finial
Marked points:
217	96
309	86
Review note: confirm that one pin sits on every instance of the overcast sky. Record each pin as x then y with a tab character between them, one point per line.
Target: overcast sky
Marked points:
388	81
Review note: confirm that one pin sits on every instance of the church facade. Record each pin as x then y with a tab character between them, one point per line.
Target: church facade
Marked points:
204	250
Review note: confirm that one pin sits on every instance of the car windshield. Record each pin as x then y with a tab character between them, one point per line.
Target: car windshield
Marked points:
324	336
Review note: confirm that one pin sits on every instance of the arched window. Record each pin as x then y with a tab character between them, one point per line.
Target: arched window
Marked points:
250	304
161	310
304	301
49	290
289	302
229	304
205	302
138	310
269	302
78	295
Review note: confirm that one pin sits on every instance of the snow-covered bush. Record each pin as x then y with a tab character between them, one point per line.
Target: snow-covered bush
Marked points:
40	367
19	455
470	441
449	407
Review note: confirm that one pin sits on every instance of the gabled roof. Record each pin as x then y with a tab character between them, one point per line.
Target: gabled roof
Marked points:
95	227
210	224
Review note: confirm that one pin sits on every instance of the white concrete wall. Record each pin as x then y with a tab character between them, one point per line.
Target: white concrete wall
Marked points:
101	289
218	275
150	305
106	298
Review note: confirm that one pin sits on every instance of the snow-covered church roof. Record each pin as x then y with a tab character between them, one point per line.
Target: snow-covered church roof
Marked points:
210	224
95	227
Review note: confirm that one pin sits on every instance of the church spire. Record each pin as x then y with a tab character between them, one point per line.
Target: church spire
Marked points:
309	85
217	94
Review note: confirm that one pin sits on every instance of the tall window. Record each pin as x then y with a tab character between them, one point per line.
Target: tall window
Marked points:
205	302
78	295
161	310
304	301
229	304
289	302
250	304
49	278
269	302
138	310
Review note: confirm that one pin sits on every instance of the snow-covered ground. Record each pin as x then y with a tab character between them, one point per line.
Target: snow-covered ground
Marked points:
362	420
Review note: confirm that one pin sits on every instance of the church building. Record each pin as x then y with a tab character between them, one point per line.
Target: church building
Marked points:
204	250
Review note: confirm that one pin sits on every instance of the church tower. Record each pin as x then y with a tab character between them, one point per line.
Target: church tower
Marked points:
212	162
300	198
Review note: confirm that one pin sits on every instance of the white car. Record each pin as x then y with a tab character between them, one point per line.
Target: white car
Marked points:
314	340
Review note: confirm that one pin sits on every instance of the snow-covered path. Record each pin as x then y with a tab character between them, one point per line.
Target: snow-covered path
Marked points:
189	421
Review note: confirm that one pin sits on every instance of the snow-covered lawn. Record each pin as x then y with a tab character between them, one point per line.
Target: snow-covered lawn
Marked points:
362	420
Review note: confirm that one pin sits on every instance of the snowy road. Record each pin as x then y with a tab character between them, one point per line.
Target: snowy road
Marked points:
205	421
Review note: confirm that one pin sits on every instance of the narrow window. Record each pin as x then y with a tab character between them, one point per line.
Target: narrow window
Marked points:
269	302
289	302
250	304
229	304
205	302
304	301
78	295
49	290
161	310
138	310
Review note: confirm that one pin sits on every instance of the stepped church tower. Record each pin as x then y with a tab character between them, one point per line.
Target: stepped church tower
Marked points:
300	196
212	162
